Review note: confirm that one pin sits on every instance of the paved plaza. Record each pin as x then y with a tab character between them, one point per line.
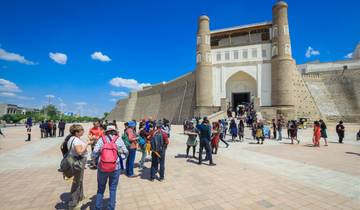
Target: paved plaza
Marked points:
276	175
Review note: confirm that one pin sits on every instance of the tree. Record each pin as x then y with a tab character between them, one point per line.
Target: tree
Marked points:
106	114
51	112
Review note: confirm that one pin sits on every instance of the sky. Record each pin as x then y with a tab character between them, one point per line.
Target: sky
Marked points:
84	55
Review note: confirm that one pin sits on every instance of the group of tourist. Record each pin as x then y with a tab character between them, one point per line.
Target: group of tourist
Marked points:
48	128
114	152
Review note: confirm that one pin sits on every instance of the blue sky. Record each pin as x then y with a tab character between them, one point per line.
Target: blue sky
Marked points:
146	41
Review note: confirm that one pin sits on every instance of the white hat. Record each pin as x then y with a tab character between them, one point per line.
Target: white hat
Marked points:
110	128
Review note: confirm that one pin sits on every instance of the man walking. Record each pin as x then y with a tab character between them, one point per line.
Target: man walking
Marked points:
28	128
61	127
205	139
159	142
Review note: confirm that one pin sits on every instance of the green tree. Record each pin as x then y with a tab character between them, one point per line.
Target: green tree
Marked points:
51	112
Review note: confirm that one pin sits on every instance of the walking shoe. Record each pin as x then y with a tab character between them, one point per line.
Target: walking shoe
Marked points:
212	164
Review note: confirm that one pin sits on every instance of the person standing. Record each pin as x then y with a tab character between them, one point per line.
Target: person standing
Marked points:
260	133
61	127
293	131
54	129
42	130
130	132
28	128
192	133
279	129
143	136
108	149
317	134
340	130
233	130
94	135
77	148
323	131
241	130
274	128
159	142
215	137
205	138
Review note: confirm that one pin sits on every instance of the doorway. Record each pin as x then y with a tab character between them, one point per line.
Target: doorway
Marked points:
240	99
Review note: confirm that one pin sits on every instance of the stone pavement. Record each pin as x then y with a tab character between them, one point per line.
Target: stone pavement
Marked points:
276	175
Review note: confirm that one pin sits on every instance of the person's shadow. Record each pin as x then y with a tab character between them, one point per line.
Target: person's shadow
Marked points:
87	204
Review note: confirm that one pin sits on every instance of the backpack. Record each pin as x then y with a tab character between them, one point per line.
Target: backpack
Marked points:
70	165
157	142
109	155
126	141
141	142
64	148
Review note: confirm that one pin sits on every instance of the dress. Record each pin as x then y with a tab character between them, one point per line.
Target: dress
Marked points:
215	139
192	138
317	135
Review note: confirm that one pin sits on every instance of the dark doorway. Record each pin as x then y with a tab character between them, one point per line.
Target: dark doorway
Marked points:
240	98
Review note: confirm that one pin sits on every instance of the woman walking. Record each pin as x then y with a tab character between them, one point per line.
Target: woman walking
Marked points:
108	149
77	148
192	133
241	130
293	131
317	134
233	130
323	131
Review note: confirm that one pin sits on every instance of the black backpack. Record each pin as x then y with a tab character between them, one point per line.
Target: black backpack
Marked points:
64	148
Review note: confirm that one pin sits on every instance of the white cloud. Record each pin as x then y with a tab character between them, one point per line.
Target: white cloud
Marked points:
60	58
113	100
14	95
311	51
349	56
49	96
81	103
127	83
101	57
8	86
9	56
118	94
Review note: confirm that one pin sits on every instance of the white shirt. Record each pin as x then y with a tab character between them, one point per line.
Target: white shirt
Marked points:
76	141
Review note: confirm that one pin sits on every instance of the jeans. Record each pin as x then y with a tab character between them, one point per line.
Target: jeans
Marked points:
102	178
155	161
280	135
130	162
61	132
205	144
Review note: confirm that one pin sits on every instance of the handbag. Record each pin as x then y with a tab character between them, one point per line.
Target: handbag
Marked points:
70	164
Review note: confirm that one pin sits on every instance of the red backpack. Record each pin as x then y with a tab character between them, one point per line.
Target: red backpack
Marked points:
109	155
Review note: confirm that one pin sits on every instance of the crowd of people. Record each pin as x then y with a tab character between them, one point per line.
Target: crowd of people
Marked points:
113	152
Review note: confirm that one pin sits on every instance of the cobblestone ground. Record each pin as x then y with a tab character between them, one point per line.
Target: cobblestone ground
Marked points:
276	175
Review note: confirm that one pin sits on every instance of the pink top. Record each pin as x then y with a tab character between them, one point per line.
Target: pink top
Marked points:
132	138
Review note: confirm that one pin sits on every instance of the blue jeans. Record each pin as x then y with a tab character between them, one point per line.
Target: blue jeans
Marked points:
102	178
155	161
130	162
280	134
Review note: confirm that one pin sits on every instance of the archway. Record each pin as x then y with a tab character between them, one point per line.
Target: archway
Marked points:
240	89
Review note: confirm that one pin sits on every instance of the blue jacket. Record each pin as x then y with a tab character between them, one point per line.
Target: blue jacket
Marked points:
205	132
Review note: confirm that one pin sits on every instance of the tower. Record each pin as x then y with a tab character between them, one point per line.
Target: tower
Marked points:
283	66
203	73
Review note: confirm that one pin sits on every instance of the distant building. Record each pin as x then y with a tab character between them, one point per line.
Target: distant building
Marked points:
14	109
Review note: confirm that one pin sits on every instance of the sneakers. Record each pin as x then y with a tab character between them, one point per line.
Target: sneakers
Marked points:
212	164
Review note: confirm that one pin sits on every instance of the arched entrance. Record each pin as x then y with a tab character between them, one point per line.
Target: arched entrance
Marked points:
240	88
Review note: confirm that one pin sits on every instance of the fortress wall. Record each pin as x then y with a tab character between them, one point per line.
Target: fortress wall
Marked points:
337	93
174	100
178	99
118	112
